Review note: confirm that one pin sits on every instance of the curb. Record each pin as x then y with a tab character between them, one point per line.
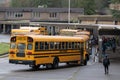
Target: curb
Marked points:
4	55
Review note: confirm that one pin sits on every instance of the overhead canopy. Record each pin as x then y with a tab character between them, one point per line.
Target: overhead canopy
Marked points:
109	29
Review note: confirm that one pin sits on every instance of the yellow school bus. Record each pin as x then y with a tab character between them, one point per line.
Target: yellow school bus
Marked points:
68	32
36	50
29	30
83	32
72	32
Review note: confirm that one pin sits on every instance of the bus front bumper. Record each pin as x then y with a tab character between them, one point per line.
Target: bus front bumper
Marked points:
26	62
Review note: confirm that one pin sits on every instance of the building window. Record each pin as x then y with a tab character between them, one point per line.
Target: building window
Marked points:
18	15
53	15
15	14
36	14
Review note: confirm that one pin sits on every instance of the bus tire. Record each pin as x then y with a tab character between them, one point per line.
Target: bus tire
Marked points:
68	63
87	57
35	67
55	63
85	62
48	66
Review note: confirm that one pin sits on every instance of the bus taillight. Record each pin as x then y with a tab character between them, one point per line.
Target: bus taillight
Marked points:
12	52
29	53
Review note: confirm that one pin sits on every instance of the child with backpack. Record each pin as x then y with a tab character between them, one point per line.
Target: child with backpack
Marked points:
106	64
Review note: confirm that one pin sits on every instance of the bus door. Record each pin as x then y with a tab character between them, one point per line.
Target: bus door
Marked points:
24	46
21	49
81	51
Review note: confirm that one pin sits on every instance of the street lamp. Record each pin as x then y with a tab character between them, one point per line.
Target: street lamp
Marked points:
68	11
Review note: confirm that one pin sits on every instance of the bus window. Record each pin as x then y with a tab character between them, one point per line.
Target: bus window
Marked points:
79	45
51	45
76	45
46	46
73	45
63	45
36	46
21	46
13	45
42	45
29	46
66	45
70	45
82	45
56	45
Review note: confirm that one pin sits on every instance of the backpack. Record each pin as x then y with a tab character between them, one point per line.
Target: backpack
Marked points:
106	62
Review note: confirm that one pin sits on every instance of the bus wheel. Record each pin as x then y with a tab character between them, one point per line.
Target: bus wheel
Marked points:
49	66
55	63
35	67
68	63
85	62
87	57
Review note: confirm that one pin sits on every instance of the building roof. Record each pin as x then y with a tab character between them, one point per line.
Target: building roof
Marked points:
96	17
74	10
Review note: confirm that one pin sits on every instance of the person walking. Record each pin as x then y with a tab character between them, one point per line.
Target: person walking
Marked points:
106	63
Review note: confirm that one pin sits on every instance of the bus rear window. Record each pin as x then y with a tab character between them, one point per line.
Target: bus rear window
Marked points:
29	46
21	46
12	45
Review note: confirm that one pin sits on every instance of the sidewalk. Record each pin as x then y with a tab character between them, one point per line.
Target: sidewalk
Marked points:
96	72
3	56
113	55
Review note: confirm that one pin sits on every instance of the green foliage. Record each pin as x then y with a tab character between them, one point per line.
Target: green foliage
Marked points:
89	5
116	14
4	47
101	4
115	1
35	3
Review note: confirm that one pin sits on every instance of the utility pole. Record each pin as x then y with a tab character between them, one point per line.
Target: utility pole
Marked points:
68	11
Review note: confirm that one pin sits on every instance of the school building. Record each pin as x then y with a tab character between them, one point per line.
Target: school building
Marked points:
15	17
53	19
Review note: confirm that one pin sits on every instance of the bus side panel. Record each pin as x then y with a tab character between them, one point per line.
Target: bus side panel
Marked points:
69	58
43	60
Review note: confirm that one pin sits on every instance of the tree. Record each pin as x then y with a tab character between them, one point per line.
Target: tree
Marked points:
115	13
36	3
115	1
89	6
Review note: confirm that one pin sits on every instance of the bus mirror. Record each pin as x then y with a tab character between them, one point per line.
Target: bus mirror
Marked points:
11	52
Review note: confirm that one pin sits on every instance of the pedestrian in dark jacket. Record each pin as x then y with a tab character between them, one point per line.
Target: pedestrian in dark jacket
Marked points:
106	64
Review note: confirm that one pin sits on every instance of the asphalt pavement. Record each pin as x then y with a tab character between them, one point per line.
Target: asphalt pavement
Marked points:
96	72
5	38
93	71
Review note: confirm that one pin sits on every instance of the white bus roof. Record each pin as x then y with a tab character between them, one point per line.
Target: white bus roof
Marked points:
30	28
106	26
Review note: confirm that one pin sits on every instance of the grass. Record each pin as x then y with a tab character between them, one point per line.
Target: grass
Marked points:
4	47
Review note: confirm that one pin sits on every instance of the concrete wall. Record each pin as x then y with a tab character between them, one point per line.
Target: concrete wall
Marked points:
2	15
